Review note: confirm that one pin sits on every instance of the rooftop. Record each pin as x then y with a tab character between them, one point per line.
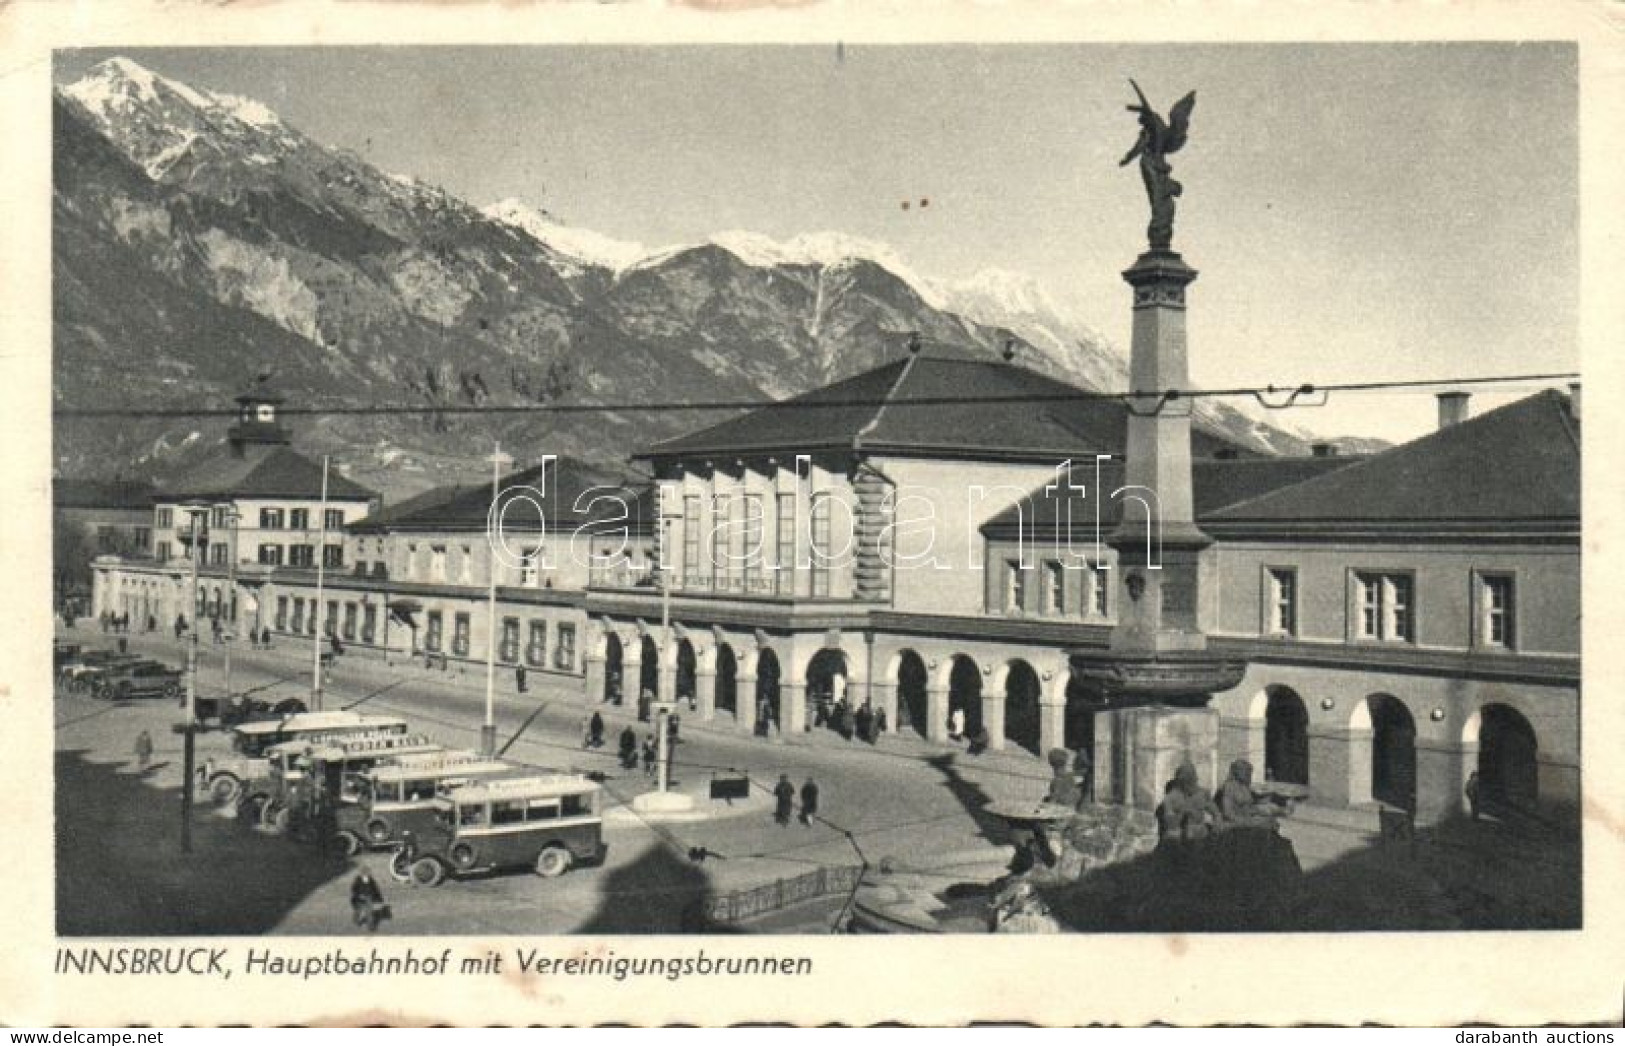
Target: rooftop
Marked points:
574	496
266	471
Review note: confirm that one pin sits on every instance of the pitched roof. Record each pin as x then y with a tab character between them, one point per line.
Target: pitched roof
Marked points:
262	471
897	408
102	493
1215	483
1518	463
567	501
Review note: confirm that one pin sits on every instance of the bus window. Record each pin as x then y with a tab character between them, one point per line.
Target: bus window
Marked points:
542	810
578	804
471	816
510	812
385	792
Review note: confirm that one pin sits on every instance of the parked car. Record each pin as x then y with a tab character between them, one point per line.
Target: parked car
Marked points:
142	679
69	669
91	679
547	823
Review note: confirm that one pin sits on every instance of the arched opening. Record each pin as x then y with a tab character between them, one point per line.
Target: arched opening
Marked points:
912	702
1021	714
1507	774
649	679
768	718
826	685
613	666
727	695
1286	736
965	695
685	672
1083	700
1393	752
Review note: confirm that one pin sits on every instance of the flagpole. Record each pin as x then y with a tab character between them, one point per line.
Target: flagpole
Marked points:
316	612
488	731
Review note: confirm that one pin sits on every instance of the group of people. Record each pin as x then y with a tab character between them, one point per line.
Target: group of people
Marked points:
784	796
631	752
115	623
976	737
864	723
1188	812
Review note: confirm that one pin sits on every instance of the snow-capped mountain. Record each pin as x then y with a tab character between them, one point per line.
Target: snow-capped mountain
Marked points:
200	238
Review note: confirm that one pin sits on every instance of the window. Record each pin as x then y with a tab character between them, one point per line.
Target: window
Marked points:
270	519
565	656
298	614
508	811
217	553
471	816
333	519
166	518
1495	611
820	542
536	649
509	651
432	631
751	567
332	555
281	613
299	519
369	623
143	537
1099	588
459	635
1055	588
1281	595
1015	587
691	535
542	810
271	555
785	558
529	559
437	563
721	507
301	555
411	562
161	550
1384	607
349	621
466	576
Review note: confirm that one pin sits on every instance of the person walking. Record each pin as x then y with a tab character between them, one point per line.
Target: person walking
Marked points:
366	901
880	726
629	748
143	750
180	625
866	723
586	731
519	678
214	628
764	713
649	756
595	731
784	795
849	724
646	701
809	802
265	637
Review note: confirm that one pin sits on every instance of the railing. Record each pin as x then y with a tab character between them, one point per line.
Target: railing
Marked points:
775	896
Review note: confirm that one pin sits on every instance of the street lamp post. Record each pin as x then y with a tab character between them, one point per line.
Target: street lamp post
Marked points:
188	725
232	517
316	610
668	699
488	731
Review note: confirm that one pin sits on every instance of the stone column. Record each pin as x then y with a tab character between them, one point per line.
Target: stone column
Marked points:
1339	765
593	685
631	678
1051	723
1441	776
936	714
883	698
993	720
745	703
793	707
705	694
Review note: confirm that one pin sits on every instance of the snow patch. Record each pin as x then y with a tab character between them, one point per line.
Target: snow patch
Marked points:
247	110
827	249
583	245
159	164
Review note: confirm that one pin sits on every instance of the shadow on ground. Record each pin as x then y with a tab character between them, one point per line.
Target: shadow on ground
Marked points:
660	892
120	871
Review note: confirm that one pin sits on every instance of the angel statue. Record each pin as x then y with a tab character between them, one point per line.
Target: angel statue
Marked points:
1157	141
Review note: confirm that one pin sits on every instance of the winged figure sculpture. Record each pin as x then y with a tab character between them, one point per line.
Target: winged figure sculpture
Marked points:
1158	140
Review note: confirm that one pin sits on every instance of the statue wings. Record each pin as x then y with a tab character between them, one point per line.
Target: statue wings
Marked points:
1179	122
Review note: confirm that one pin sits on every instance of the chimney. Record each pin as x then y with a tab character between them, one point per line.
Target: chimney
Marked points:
1452	408
1574	400
1323	450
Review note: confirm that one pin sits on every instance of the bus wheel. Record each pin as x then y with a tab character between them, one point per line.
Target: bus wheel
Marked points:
276	816
225	789
462	855
552	862
349	843
400	869
378	831
428	872
252	809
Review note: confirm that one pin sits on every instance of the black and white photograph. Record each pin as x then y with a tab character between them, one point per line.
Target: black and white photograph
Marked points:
829	488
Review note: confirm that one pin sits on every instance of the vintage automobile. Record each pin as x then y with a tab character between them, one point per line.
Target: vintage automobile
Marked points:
311	780
62	653
84	674
547	823
228	779
400	797
239	708
138	679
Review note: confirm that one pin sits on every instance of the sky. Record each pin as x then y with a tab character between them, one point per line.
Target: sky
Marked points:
1358	212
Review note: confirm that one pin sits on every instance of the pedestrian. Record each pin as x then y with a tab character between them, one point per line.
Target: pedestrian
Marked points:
809	802
265	637
649	756
956	724
763	714
152	623
180	625
849	725
519	678
672	722
595	731
366	901
880	725
629	748
143	750
646	701
586	731
866	722
784	794
338	647
214	627
979	741
1471	788
106	621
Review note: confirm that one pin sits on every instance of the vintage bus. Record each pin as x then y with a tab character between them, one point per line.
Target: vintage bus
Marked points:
227	778
312	779
544	822
400	797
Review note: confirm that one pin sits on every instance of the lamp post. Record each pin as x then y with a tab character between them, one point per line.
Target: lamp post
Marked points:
488	731
232	516
196	541
316	611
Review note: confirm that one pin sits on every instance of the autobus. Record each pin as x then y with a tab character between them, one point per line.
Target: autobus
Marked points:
400	797
548	823
311	779
226	778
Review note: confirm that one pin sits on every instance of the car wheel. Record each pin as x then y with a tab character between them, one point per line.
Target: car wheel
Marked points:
400	869
350	844
552	862
277	817
172	690
225	790
428	872
378	831
462	855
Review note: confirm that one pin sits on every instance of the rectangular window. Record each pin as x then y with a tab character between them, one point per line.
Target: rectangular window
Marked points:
369	623
281	613
270	519
542	810
691	536
751	553
509	650
564	658
166	518
1055	583
721	507
349	621
1384	607
785	557
1282	594
508	811
332	555
437	563
820	544
536	649
298	614
1496	619
466	561
1100	589
217	553
1015	587
271	555
334	518
299	519
217	516
432	631
143	537
301	555
529	574
161	550
472	816
411	562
